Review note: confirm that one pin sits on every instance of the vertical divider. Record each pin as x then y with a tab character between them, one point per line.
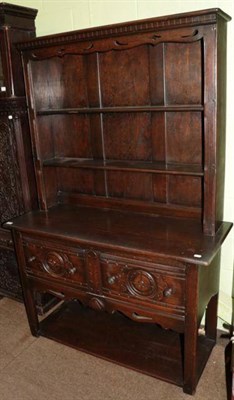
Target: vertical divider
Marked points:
94	121
165	123
210	132
101	122
151	121
158	120
167	177
35	137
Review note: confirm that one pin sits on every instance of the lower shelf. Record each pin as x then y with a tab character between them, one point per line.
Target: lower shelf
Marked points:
143	347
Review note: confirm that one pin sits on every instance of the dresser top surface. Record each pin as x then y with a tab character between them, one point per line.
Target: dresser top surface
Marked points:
180	239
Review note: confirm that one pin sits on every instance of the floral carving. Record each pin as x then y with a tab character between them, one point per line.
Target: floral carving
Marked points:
6	240
9	276
11	198
141	283
128	279
14	107
58	264
55	263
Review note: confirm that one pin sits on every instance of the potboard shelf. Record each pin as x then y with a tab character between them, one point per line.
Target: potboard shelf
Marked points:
143	347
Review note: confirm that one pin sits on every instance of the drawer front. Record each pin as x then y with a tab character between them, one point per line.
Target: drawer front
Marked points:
51	261
143	283
123	281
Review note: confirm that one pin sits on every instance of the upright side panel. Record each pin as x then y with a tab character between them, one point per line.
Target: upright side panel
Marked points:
210	128
221	118
214	124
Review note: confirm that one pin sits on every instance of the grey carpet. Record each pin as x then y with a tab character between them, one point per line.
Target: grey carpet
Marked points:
38	368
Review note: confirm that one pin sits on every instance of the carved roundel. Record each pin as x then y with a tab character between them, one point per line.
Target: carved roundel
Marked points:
55	264
141	283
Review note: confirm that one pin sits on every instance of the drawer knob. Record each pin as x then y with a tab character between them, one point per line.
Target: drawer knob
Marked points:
168	292
31	259
111	280
72	270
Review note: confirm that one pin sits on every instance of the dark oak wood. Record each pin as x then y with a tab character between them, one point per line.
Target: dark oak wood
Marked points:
119	165
128	132
180	239
142	347
123	117
93	110
17	179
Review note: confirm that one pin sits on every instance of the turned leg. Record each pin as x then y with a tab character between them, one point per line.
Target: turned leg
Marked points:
211	317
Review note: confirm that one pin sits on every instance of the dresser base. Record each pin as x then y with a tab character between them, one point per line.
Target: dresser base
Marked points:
143	347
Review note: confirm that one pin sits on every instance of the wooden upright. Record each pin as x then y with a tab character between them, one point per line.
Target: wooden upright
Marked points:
17	180
128	135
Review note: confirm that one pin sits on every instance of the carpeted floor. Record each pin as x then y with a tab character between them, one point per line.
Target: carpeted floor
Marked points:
33	369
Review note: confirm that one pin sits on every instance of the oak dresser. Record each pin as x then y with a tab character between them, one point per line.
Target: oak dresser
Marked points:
128	137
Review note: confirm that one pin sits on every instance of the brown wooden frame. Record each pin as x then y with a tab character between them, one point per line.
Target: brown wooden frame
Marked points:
128	136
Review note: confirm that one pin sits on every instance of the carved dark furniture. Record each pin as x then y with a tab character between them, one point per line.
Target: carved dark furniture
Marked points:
17	182
128	134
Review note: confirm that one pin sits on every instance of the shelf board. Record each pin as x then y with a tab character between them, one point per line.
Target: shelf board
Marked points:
123	165
122	109
143	347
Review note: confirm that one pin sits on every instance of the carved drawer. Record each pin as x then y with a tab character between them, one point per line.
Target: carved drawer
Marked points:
143	283
52	262
116	283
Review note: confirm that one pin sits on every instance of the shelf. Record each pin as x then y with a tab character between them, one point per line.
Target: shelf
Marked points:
143	347
122	165
126	109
